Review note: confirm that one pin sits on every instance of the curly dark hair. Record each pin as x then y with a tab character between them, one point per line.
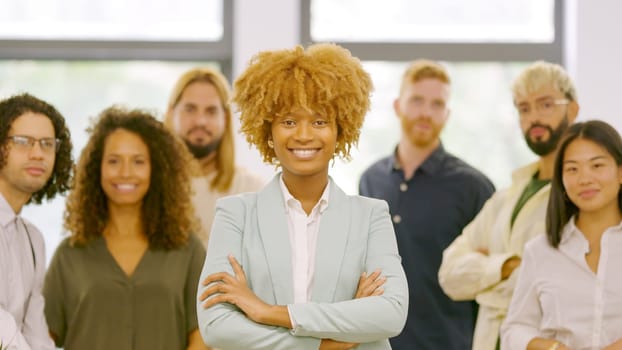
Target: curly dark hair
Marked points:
16	106
167	211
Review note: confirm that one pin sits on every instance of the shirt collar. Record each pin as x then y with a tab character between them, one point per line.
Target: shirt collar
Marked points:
288	198
525	173
569	230
572	240
7	215
572	236
430	165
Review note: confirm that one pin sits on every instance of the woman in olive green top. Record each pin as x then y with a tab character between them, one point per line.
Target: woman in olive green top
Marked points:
127	276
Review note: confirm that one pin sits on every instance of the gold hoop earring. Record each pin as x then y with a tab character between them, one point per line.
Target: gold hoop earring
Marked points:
270	144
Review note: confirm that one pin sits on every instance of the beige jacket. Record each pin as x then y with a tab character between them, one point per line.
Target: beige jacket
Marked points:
204	197
467	274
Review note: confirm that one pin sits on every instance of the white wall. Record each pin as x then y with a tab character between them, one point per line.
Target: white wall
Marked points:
597	60
261	25
593	53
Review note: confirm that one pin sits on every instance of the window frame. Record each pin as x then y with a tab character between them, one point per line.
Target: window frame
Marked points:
105	50
451	52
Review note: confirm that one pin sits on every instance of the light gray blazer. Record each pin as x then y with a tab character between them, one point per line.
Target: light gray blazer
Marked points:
356	235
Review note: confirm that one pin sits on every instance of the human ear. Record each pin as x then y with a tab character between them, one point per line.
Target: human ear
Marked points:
573	111
396	107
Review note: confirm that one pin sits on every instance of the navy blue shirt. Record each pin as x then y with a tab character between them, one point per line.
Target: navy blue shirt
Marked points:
428	212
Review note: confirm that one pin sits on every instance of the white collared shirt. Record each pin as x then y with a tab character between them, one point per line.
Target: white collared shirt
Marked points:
22	323
559	297
303	232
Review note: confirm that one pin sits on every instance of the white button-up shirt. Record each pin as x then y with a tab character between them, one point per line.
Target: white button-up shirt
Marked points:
22	268
559	297
303	233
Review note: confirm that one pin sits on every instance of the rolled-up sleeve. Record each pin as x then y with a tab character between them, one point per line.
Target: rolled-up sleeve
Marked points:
465	271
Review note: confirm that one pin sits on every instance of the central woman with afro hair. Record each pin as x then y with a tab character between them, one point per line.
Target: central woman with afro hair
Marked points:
300	264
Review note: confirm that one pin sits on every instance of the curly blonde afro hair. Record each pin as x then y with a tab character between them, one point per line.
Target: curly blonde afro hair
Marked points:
324	79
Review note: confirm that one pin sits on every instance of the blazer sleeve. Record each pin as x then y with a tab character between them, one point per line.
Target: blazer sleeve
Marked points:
366	319
465	272
223	325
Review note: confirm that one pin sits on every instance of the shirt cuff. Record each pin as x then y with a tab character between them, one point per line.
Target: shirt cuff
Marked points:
517	337
291	318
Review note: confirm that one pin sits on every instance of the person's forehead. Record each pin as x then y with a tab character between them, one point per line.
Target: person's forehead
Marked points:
426	84
200	90
125	141
33	124
539	93
310	107
586	150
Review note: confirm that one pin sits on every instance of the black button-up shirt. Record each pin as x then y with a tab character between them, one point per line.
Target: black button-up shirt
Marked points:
428	212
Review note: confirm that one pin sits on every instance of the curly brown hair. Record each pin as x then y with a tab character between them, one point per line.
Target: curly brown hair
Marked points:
325	79
167	211
14	107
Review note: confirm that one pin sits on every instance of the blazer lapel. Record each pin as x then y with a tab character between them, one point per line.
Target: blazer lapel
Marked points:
274	234
331	244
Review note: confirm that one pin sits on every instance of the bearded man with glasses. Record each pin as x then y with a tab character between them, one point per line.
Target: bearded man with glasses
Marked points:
35	164
482	262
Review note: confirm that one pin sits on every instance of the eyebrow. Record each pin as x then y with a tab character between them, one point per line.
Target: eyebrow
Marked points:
591	159
135	155
545	98
548	97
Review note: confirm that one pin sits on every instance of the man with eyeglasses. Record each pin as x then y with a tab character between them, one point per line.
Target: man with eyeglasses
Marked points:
35	164
482	262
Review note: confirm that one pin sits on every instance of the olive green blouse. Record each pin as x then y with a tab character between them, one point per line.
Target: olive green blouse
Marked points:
90	303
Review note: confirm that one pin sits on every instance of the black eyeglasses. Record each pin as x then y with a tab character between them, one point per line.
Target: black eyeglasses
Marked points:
26	143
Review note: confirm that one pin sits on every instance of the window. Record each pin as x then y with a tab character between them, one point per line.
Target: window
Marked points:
482	120
113	19
85	56
182	30
80	90
432	21
484	44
